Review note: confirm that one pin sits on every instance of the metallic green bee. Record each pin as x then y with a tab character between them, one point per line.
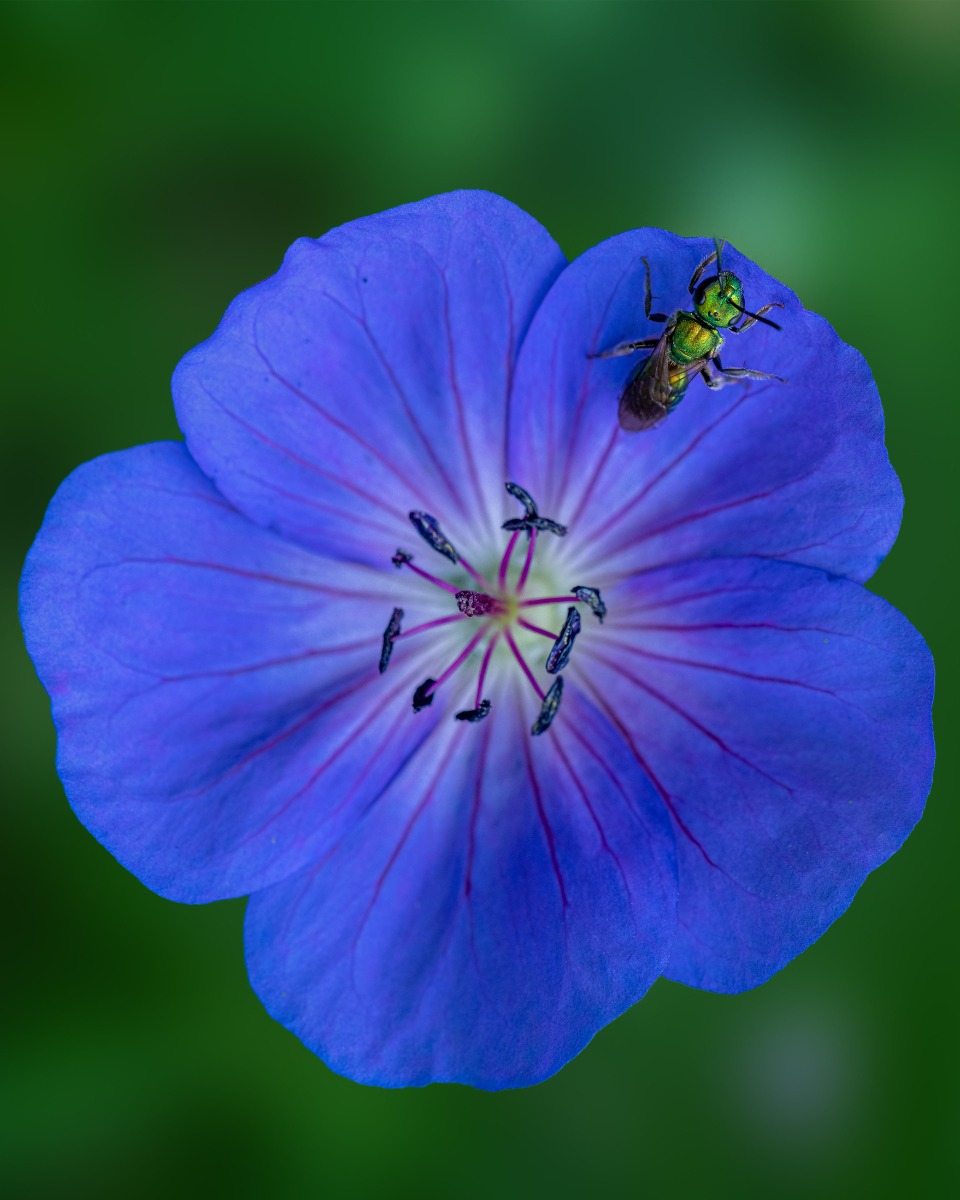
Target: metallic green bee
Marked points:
689	346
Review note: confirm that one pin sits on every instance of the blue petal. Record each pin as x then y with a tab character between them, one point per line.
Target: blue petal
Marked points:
796	470
371	374
486	918
785	716
215	690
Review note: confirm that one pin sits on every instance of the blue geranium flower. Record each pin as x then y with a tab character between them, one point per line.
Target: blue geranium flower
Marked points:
742	737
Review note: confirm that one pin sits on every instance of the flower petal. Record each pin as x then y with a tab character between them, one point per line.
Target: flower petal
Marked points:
485	920
215	689
371	374
784	715
794	470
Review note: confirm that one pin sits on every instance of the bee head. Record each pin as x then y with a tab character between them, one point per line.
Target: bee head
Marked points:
719	300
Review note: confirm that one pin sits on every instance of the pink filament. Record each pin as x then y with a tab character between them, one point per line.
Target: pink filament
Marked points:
522	661
505	561
528	563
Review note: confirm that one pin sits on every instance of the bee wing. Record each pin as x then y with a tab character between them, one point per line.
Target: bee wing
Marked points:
646	398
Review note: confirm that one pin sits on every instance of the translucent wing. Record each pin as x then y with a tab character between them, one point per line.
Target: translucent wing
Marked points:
646	399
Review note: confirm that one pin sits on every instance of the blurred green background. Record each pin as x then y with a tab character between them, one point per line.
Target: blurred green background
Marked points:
158	158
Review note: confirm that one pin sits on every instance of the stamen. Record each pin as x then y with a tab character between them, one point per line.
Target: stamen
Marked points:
591	596
403	559
548	600
423	696
531	518
391	632
559	656
536	629
483	667
528	563
505	561
477	604
429	624
429	529
551	705
521	494
532	523
474	714
523	664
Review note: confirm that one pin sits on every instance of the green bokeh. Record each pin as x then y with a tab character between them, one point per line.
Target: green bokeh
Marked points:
158	159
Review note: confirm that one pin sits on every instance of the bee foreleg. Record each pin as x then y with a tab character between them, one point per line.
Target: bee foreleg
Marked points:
695	277
627	348
648	298
712	380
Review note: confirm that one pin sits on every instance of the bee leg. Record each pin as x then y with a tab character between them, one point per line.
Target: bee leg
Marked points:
753	320
695	277
648	298
713	381
738	374
627	348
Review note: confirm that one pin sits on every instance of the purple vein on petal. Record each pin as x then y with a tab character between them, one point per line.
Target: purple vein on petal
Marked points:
321	506
455	385
585	799
544	822
318	408
348	485
588	371
276	739
402	840
343	745
709	626
748	675
632	504
404	401
619	669
264	665
664	795
261	576
636	539
508	361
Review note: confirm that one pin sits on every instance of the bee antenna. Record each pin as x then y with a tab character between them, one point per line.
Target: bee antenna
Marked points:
747	313
719	243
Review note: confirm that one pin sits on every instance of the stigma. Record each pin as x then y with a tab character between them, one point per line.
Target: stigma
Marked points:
497	608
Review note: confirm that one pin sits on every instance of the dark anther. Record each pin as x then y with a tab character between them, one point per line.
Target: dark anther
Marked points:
591	596
551	703
559	654
531	518
423	697
475	714
391	631
519	493
544	524
477	604
429	529
400	558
